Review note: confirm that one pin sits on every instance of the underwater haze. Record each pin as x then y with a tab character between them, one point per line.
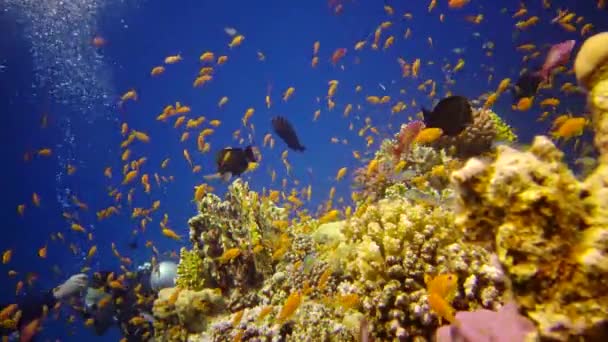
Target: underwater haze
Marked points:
105	156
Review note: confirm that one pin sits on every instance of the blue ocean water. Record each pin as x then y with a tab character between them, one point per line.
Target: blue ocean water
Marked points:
49	67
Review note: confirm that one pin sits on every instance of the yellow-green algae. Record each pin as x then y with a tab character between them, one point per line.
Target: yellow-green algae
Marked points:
504	132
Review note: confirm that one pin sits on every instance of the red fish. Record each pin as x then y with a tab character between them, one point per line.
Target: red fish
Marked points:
559	54
406	137
338	54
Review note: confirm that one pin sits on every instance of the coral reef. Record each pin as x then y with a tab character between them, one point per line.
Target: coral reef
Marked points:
504	132
423	167
229	236
547	228
190	270
389	247
531	209
524	230
180	312
477	138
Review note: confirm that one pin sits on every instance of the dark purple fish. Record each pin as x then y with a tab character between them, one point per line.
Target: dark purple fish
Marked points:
285	131
559	54
452	114
234	161
527	85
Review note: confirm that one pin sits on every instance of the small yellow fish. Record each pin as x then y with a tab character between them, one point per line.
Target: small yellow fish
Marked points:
341	173
288	93
171	234
428	135
236	41
441	290
173	59
157	70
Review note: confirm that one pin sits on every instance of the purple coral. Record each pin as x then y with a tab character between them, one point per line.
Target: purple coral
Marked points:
504	325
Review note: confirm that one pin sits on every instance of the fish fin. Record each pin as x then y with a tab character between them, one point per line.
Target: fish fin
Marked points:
213	176
543	74
250	154
226	176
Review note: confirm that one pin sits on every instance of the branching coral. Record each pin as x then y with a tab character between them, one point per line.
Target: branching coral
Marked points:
504	132
190	270
389	248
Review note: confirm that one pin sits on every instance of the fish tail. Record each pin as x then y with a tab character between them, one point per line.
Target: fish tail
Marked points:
543	74
426	114
226	176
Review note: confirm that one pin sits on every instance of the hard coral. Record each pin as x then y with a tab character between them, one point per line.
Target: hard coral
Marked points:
389	248
421	163
181	312
240	223
191	270
530	208
476	139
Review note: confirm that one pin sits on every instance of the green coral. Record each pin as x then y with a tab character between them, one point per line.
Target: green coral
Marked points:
504	132
190	270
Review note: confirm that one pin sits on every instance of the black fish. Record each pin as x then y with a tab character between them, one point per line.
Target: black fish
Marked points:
527	85
234	160
133	243
452	114
283	129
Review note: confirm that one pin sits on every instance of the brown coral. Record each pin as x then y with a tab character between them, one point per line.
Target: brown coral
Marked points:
474	140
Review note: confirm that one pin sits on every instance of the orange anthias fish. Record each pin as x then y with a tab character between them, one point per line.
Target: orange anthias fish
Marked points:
457	3
337	55
98	41
441	291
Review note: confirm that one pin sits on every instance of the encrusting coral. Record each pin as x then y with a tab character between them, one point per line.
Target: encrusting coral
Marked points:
549	230
180	312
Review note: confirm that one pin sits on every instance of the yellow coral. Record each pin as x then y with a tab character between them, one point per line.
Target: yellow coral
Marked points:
190	273
504	132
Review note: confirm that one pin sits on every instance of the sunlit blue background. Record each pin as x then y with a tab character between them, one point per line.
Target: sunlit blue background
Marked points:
140	35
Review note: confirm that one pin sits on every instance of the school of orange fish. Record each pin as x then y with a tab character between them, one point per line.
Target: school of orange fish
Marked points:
125	188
